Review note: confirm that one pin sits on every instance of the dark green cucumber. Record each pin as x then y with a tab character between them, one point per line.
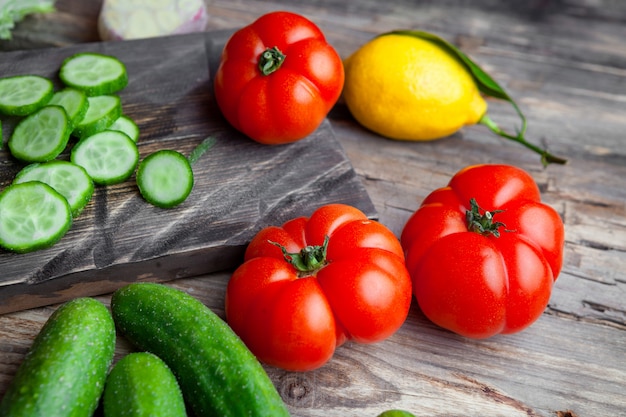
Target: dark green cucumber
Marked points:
217	373
141	384
64	373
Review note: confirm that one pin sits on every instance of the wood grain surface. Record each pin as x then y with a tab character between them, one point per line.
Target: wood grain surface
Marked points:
239	185
564	62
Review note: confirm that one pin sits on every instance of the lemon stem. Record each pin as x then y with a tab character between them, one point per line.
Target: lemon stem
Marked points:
546	157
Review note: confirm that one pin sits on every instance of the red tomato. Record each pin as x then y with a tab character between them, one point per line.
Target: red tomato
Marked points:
278	78
484	251
313	283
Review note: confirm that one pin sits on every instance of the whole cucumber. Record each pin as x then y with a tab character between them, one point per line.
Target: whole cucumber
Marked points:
64	373
141	384
217	373
395	413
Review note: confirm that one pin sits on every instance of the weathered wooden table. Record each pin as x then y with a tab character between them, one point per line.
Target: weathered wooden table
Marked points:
565	64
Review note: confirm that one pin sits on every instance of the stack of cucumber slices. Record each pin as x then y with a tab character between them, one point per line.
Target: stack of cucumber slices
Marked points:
38	208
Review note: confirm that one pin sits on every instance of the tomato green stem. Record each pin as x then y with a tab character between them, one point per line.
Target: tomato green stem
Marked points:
546	157
482	223
309	259
270	60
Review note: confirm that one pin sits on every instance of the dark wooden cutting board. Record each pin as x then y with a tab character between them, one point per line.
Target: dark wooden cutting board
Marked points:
240	186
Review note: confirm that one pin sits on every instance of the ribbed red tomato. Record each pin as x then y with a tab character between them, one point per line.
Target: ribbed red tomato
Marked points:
484	251
313	283
278	78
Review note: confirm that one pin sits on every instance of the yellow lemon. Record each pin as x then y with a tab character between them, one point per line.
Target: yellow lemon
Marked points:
408	88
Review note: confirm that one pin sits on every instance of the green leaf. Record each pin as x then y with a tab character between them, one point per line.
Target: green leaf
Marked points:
484	82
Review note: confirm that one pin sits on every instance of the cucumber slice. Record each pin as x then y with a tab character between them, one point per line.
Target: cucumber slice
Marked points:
126	125
21	95
34	216
165	178
41	136
109	157
95	74
73	101
68	179
101	113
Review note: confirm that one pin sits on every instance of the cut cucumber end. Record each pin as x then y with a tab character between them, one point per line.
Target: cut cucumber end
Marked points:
165	178
102	111
41	136
126	125
109	157
74	102
34	216
21	95
95	74
68	179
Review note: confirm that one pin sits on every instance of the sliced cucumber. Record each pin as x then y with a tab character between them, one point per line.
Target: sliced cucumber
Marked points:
101	113
41	136
68	179
21	95
127	125
95	74
34	216
73	101
165	178
109	157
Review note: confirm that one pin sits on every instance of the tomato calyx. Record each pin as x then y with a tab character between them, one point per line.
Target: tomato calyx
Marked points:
270	60
483	223
310	258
